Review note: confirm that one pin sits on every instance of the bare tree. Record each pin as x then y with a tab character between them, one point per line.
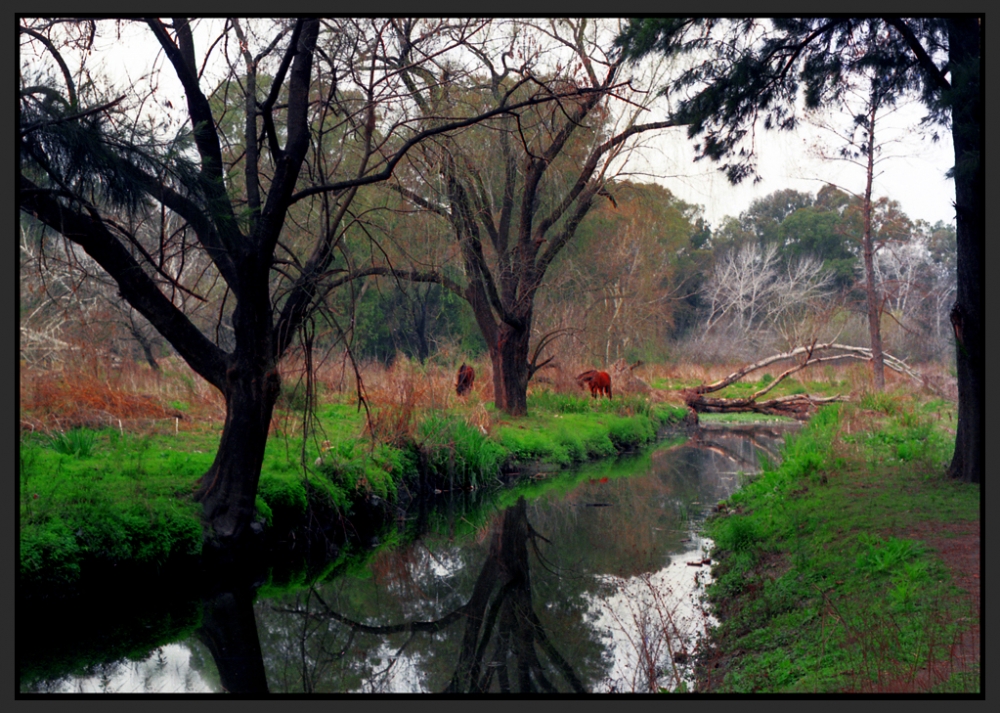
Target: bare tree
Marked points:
282	122
513	191
750	289
917	293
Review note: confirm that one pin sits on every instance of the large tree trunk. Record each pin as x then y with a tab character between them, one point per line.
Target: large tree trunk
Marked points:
228	490
964	34
510	370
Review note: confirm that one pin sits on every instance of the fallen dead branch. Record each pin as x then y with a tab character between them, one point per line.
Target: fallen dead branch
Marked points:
795	405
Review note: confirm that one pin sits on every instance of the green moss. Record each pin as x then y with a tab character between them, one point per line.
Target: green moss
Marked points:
285	496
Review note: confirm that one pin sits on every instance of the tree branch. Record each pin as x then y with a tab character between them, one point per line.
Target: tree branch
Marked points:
934	75
90	233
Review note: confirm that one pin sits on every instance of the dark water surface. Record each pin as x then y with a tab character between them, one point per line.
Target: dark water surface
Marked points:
587	581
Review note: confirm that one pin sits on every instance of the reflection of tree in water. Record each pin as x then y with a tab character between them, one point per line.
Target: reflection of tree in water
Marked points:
496	626
504	646
744	445
520	636
704	467
229	631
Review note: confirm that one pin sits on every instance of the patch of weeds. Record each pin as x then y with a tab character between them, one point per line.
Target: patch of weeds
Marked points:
737	534
880	556
78	442
557	402
454	448
129	453
878	401
527	445
49	554
627	433
961	682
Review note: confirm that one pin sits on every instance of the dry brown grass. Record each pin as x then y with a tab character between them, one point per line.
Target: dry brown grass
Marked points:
88	393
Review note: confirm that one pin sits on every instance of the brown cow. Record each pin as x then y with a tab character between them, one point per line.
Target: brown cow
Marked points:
598	381
465	378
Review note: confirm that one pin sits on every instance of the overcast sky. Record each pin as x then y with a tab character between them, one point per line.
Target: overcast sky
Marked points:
914	176
914	173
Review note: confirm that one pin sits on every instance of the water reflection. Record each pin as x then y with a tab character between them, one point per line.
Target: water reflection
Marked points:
593	588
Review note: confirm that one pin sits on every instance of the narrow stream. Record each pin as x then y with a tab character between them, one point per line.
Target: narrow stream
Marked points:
589	581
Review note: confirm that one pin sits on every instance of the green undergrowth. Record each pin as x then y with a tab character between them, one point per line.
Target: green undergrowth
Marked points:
122	499
108	499
562	429
819	582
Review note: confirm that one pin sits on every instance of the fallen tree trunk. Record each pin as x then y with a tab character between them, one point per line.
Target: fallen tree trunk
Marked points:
795	405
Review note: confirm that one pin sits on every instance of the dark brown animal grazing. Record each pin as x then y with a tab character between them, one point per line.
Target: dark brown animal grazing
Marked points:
598	381
465	378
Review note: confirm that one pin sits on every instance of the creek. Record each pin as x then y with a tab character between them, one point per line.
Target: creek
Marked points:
589	580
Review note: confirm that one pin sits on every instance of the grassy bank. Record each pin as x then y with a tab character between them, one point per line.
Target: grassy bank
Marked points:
830	575
96	499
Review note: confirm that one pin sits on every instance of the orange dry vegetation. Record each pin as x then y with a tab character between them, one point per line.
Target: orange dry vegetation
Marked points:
89	395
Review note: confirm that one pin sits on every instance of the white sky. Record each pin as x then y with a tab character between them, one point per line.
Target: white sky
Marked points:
915	177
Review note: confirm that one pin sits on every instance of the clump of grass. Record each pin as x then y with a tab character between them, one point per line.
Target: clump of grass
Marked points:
78	442
879	556
878	401
459	450
556	402
738	535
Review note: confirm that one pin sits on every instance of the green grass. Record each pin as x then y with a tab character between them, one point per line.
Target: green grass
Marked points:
563	429
101	497
816	574
121	500
78	442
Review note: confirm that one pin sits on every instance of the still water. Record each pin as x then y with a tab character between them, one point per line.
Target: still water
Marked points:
589	581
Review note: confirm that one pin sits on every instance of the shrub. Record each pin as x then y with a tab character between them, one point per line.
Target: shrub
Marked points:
49	550
738	534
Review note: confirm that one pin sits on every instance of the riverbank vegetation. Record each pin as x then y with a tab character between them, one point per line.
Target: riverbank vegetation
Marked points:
100	492
853	565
